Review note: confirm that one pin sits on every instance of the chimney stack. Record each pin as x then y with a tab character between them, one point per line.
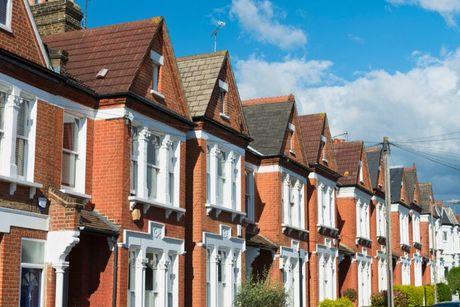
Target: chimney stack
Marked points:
56	16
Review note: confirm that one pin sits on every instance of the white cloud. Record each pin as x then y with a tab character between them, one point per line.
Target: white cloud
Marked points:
449	9
259	19
423	101
355	38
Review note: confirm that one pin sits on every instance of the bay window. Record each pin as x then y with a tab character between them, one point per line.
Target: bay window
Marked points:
382	271
327	273
292	266
405	270
223	266
32	277
417	270
362	219
155	168
364	280
404	225
17	136
381	220
326	205
153	267
416	227
293	202
223	178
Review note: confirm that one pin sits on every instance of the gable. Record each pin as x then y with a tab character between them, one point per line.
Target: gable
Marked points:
292	145
170	87
328	148
23	39
230	115
366	182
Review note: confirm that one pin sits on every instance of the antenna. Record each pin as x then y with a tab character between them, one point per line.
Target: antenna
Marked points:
220	25
85	17
342	134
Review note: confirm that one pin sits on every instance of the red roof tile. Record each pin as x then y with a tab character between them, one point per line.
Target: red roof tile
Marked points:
276	99
348	155
118	48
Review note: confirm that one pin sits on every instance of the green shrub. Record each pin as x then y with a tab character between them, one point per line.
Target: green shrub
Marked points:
380	299
429	295
351	294
453	280
341	302
444	293
414	294
261	293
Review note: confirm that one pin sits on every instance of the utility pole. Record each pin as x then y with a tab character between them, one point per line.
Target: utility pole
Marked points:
434	265
386	165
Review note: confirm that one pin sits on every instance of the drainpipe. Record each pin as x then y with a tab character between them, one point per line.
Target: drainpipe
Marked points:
300	280
115	271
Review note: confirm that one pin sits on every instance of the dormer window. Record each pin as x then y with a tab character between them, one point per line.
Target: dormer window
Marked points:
291	128
223	102
5	14
157	60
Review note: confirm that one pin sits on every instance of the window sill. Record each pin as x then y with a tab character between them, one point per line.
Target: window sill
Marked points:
363	241
158	94
288	229
417	245
6	28
72	192
224	116
147	203
14	182
405	247
381	239
219	209
327	230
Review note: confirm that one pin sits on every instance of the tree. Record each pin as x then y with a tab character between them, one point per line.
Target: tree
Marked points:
453	280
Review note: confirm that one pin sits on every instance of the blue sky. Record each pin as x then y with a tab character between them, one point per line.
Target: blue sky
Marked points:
380	67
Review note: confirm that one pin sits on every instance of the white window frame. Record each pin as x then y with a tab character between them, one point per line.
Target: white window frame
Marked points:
14	98
380	217
9	12
364	278
33	266
327	272
326	202
405	270
382	271
232	181
157	63
80	166
290	259
293	201
417	270
223	91
291	128
233	247
169	147
141	243
361	174
416	227
362	219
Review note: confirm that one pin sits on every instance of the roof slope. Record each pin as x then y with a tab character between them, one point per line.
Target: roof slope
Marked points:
410	176
119	48
199	75
396	179
426	196
373	160
267	123
348	155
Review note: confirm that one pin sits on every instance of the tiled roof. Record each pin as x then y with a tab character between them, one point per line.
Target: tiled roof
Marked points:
449	217
267	125
348	155
426	196
260	241
274	99
373	161
396	176
93	220
410	176
312	126
118	48
199	75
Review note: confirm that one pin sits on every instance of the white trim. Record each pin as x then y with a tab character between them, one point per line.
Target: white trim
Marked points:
224	239
345	192
155	125
72	192
8	18
133	200
208	137
37	35
275	168
23	219
223	85
323	179
157	93
250	148
156	57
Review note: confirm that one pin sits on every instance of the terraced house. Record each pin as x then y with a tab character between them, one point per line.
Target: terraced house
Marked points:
130	177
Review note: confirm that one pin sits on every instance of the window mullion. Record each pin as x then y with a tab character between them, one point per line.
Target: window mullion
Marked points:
229	173
213	174
144	134
163	182
8	165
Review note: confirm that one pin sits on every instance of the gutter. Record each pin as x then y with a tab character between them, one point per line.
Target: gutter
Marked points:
204	118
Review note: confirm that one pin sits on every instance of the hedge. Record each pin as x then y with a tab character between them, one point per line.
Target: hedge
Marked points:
261	293
453	279
444	293
414	294
341	302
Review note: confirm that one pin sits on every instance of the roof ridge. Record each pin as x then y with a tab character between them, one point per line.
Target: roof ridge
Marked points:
155	19
271	99
202	55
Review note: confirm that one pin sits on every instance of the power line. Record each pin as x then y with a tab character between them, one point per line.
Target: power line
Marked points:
429	137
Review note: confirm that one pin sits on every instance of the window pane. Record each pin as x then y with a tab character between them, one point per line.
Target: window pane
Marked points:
3	11
2	108
152	150
30	287
22	119
134	176
70	135
32	252
171	188
152	174
20	156
69	161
